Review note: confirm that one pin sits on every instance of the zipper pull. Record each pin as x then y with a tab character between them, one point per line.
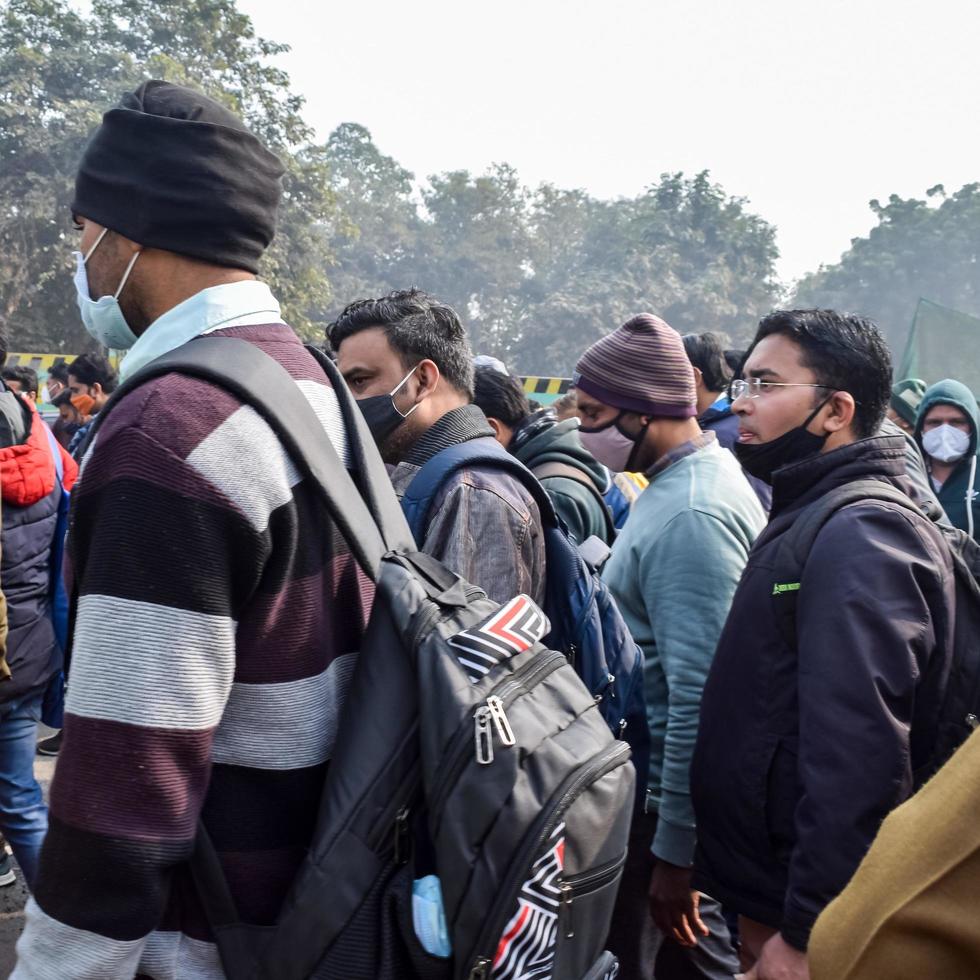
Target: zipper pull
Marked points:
480	968
500	721
972	721
566	910
401	835
483	736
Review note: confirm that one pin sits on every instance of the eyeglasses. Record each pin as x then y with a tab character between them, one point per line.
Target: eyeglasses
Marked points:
753	387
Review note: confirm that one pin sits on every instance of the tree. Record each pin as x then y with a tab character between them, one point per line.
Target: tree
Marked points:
684	250
477	251
919	248
60	70
374	235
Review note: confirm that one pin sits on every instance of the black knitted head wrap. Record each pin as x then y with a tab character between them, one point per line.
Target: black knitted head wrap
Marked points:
172	169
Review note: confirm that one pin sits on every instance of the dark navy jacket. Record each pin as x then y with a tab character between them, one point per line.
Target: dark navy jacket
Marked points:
801	753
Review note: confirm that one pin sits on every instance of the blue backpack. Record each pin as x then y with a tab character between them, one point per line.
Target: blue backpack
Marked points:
586	624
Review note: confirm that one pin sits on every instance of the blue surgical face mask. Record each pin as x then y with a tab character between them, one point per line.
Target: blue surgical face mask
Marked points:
103	317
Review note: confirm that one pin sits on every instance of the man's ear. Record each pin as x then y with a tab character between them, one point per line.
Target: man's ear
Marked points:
500	432
698	377
428	375
841	415
97	390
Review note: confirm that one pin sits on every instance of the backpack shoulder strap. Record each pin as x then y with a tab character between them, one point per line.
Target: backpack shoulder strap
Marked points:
371	524
797	542
483	452
565	471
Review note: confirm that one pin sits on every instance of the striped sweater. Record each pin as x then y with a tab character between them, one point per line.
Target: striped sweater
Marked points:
219	614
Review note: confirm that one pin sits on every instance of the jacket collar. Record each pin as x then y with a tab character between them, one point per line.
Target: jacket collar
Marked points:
798	484
456	426
232	304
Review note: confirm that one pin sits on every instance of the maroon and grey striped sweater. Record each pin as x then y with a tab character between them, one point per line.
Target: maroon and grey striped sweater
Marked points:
218	621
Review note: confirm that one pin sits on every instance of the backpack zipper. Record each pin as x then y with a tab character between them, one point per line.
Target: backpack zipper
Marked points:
609	758
393	822
492	711
480	969
584	884
461	743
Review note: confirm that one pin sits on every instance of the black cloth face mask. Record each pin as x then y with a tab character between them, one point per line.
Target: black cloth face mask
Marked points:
762	459
381	414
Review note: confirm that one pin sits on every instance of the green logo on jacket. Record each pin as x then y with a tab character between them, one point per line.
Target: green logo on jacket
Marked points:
779	589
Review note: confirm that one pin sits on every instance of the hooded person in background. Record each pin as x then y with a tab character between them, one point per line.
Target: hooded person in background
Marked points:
712	375
903	406
551	450
673	572
946	429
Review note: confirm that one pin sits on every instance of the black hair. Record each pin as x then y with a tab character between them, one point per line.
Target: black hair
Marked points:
62	398
735	358
27	377
59	372
501	396
706	351
418	327
93	369
845	352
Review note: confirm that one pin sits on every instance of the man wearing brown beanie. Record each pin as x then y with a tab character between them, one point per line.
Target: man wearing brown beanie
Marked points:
673	572
194	542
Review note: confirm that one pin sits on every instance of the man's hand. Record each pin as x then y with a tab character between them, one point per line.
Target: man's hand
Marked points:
673	905
779	961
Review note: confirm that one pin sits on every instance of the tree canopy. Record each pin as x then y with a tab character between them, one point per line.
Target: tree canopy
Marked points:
538	274
60	70
926	249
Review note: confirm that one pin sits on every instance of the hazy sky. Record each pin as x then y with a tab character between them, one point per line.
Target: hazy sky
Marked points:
807	109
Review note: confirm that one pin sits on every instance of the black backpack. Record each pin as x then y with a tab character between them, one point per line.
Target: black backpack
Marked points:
586	624
507	785
960	710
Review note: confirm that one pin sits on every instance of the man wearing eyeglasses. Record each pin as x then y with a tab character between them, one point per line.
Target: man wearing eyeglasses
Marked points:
810	734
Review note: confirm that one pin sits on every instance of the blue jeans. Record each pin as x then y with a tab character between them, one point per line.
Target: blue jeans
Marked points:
23	813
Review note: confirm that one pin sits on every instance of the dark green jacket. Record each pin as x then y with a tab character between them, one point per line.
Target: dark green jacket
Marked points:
959	485
542	440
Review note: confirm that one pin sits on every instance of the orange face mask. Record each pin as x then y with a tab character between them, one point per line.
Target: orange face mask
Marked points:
83	404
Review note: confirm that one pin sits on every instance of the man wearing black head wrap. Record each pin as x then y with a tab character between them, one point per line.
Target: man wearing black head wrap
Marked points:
218	608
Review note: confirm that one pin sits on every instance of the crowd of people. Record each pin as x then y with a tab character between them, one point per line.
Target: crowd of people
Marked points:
781	528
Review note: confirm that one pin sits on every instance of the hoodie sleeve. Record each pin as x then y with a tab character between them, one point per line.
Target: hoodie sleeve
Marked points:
688	579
